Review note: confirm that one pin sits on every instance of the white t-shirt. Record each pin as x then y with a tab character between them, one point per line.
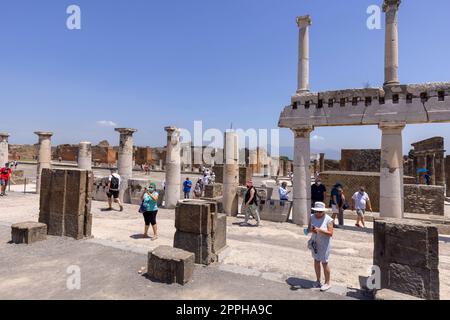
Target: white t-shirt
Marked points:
360	200
118	177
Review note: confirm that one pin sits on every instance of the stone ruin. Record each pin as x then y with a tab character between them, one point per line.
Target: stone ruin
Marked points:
65	202
407	253
200	229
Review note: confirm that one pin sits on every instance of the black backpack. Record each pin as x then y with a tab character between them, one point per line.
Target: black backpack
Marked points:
114	183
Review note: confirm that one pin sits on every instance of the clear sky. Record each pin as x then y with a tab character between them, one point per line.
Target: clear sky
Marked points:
150	63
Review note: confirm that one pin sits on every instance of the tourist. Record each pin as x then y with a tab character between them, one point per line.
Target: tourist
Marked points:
428	179
187	185
251	204
321	227
205	179
360	201
198	190
338	204
150	210
5	175
114	184
284	193
318	191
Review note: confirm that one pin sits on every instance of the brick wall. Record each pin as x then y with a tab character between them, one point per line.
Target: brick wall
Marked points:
365	160
66	152
352	181
424	199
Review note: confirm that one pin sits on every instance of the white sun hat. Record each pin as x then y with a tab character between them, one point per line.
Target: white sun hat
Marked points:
320	207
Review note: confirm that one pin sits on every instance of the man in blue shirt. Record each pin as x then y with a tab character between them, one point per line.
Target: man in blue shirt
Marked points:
284	194
187	185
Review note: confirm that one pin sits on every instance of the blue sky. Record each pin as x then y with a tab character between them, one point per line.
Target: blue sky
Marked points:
150	63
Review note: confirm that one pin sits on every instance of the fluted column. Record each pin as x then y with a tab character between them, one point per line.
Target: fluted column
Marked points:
390	7
173	168
44	155
303	53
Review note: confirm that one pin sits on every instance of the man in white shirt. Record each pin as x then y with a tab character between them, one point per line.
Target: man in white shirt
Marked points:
360	201
114	182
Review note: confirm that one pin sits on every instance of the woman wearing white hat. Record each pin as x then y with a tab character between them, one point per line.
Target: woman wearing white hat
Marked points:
321	226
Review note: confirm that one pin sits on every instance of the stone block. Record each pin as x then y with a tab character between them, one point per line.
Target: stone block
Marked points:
275	210
195	216
423	199
219	236
199	244
28	232
407	252
170	265
214	190
386	294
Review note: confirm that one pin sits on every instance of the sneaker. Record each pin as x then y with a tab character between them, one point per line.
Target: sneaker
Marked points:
325	287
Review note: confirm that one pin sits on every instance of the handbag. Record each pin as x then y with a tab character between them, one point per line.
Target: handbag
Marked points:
142	208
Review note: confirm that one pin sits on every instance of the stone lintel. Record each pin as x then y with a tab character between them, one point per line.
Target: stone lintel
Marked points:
304	21
391	5
126	131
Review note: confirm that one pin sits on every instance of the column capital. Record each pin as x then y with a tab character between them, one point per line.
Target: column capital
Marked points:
4	135
389	5
85	142
302	132
44	134
171	129
394	126
304	21
126	131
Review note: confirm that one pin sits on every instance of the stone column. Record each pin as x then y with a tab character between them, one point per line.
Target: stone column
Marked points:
390	7
441	169
322	162
303	53
85	156
433	169
391	179
125	158
302	176
44	155
173	168
231	173
4	149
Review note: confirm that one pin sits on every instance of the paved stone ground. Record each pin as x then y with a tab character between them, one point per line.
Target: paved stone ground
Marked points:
272	257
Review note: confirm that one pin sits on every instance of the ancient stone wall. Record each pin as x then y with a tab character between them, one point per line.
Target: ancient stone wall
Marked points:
103	154
407	253
143	155
332	165
352	181
66	152
447	174
65	202
365	160
22	152
424	199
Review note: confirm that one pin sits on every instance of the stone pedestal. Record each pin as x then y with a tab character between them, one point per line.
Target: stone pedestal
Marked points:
170	265
200	229
231	174
44	156
125	157
65	202
390	7
173	167
214	190
407	253
391	179
302	177
28	232
303	56
4	150
85	156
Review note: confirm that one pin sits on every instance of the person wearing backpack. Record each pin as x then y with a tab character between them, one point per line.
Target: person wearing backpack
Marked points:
251	204
114	182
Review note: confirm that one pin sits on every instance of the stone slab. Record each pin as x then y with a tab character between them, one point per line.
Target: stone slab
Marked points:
387	294
28	232
199	244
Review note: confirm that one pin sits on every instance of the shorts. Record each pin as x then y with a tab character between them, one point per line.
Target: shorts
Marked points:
334	208
150	217
114	194
360	212
2	182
